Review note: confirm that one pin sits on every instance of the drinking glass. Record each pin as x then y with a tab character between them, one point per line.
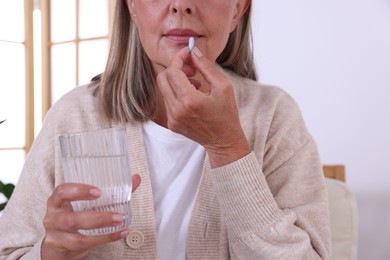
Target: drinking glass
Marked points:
100	158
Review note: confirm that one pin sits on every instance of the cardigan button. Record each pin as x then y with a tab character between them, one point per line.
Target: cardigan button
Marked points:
135	239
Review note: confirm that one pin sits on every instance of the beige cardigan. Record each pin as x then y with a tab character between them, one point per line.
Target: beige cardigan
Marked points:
271	204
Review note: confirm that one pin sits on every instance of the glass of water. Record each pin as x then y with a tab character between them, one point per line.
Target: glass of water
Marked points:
100	158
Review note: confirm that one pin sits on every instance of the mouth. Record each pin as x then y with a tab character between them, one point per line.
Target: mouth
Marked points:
181	36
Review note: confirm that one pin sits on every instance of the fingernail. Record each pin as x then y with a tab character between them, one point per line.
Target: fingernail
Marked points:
197	52
125	233
95	192
117	218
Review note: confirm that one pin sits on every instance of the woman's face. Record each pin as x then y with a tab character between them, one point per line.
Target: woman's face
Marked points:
165	26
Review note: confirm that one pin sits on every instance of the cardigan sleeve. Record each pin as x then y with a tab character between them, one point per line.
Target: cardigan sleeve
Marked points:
258	228
274	201
21	223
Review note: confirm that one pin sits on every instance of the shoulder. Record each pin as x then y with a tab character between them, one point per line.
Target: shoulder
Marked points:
80	96
256	98
78	109
269	116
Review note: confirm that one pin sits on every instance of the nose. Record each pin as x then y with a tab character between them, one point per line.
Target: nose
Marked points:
182	7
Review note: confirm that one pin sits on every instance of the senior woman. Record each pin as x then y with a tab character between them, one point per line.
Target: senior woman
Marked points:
224	167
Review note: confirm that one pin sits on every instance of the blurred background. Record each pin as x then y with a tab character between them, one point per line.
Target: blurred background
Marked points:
332	56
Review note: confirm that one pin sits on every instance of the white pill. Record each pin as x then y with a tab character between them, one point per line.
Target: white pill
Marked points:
191	43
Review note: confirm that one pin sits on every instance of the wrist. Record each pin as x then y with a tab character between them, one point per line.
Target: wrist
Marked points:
47	252
221	155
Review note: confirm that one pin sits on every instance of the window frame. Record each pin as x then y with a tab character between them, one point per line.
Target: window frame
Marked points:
47	44
27	43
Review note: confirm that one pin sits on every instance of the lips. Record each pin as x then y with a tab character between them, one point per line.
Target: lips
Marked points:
181	36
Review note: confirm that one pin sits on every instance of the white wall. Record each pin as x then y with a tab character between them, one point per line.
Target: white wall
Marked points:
333	57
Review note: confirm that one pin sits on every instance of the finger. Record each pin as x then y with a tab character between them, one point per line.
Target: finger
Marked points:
183	61
73	221
165	88
197	83
181	85
76	242
181	58
67	192
207	68
188	67
105	239
136	181
178	78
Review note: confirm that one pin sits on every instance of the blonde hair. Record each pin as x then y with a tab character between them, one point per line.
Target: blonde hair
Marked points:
126	88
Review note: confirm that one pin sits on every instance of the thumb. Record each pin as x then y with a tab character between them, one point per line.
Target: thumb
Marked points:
136	181
182	61
206	68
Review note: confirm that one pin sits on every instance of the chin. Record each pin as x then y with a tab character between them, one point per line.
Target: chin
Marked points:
164	60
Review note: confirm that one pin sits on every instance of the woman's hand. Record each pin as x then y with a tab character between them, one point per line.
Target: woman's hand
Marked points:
62	240
204	111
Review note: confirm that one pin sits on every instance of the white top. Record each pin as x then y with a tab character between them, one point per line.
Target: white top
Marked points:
175	164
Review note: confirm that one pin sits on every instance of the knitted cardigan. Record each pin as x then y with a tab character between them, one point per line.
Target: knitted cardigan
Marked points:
270	204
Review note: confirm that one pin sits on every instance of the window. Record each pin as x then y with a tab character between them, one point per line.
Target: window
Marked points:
68	46
78	43
16	85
